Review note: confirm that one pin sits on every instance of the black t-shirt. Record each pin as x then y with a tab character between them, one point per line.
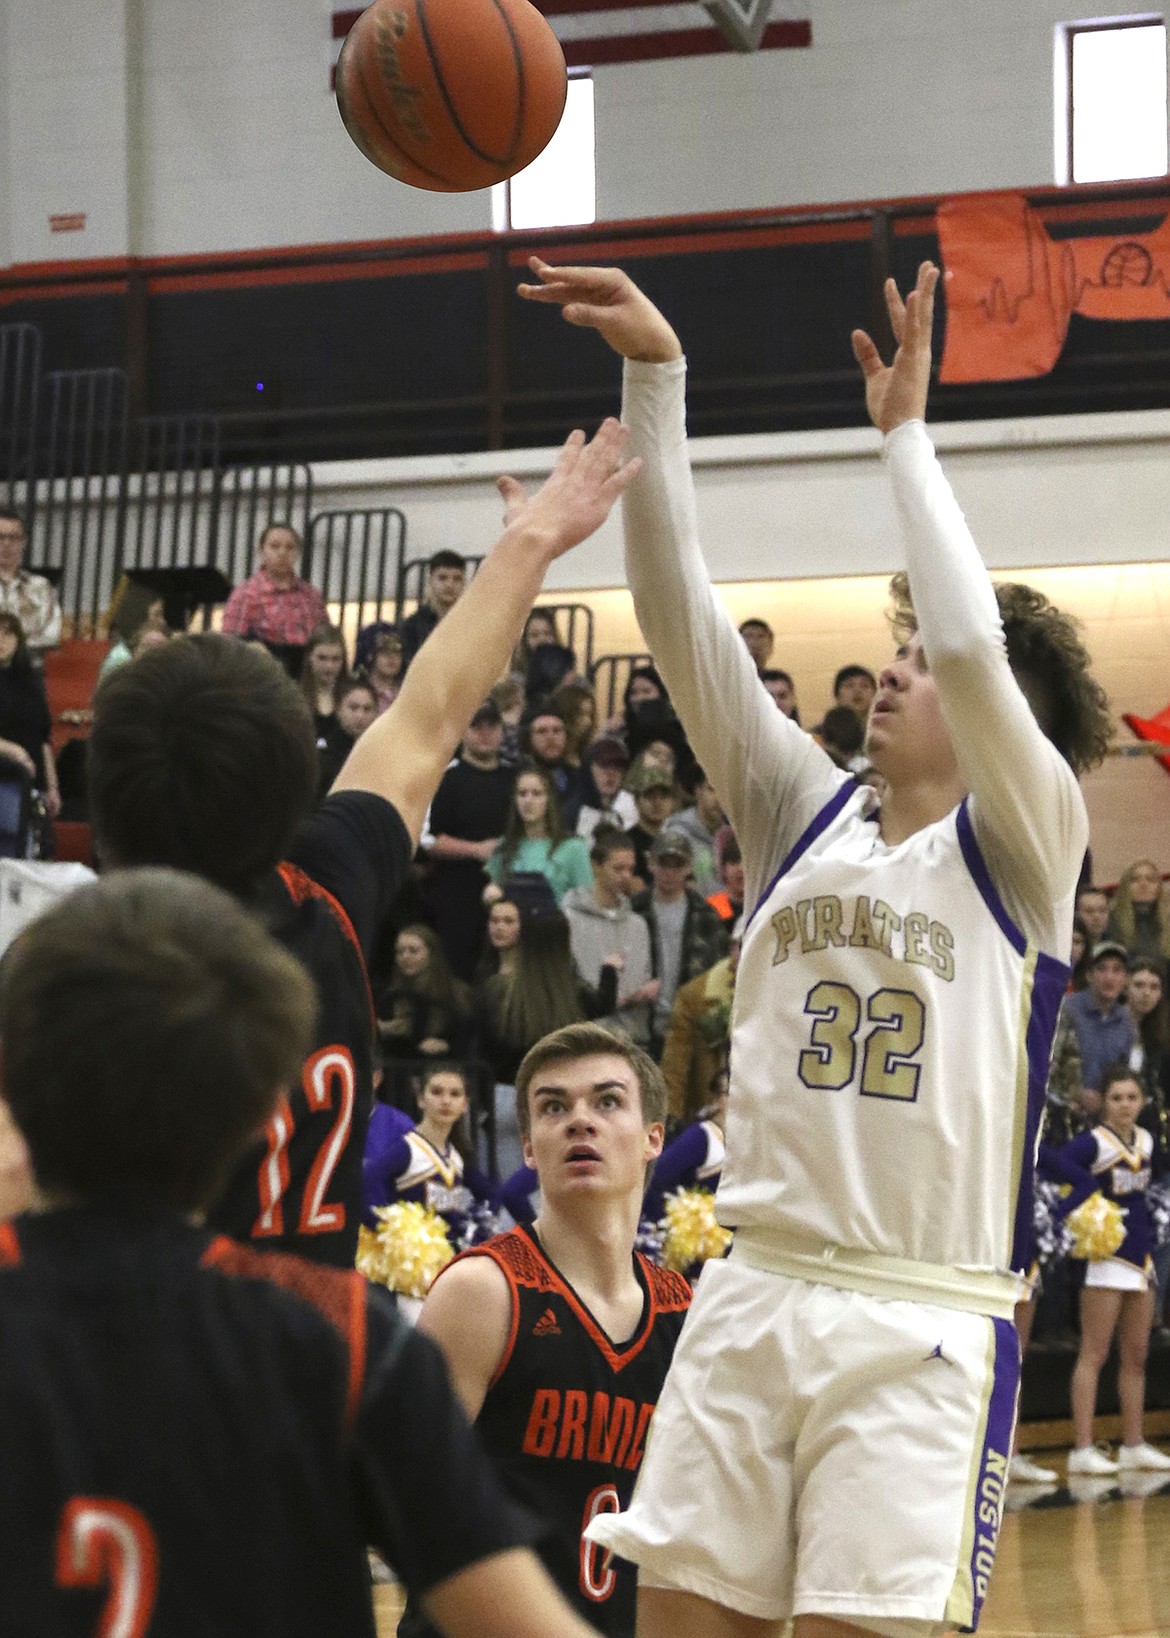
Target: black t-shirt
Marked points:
213	1438
566	1417
472	804
24	711
299	1188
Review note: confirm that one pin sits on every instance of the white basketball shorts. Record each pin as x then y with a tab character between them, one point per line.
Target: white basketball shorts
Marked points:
1111	1274
821	1451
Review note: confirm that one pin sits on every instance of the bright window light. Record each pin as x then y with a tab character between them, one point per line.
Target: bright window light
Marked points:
1118	102
558	189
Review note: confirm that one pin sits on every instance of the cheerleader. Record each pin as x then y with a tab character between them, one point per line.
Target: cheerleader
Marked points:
694	1159
1115	1158
430	1163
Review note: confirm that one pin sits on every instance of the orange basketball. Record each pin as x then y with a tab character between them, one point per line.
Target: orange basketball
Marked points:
451	95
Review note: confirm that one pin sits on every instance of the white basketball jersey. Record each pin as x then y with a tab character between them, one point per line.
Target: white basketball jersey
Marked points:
891	1037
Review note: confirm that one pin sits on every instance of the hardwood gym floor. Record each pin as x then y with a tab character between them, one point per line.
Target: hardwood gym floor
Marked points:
1093	1562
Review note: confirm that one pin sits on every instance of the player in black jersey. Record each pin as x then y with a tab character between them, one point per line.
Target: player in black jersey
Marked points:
558	1336
194	1438
202	757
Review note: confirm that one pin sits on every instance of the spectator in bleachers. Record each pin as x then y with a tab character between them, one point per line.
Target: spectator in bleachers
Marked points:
503	940
1137	915
1146	999
137	610
549	666
606	765
508	697
466	825
687	936
644	697
1079	955
700	823
539	992
275	606
759	640
26	753
28	597
699	1032
423	1012
855	686
780	686
1105	1032
539	628
652	788
843	735
356	709
544	740
728	901
1093	909
446	581
384	670
536	840
578	710
604	929
322	673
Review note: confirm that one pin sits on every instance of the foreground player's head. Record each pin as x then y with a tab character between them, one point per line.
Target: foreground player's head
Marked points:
202	757
1049	662
584	1090
147	1026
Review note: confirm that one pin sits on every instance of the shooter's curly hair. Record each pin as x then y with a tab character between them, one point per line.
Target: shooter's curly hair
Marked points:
1050	663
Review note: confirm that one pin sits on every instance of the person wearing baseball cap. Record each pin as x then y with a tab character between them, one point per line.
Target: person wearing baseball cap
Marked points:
687	936
605	767
1105	1030
653	792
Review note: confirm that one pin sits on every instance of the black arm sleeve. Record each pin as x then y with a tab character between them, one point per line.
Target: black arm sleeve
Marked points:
430	1500
356	846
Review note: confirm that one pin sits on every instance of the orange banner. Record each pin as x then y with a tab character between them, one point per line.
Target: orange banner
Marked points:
1011	289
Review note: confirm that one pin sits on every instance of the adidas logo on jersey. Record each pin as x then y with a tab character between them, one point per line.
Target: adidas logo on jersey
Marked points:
546	1325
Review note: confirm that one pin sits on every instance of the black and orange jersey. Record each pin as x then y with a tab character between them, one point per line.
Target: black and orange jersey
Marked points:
196	1438
299	1188
566	1416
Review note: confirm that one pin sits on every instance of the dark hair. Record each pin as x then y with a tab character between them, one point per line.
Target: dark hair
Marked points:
149	1023
514	831
9	515
608	839
842	731
1119	1071
773	673
21	659
726	847
460	1134
847	674
1154	1029
754	623
355	685
436	982
1081	968
1050	664
446	559
131	610
542	992
548	666
591	1041
647	673
202	757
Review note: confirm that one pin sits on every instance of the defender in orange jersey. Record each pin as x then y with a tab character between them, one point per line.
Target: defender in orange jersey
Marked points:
558	1336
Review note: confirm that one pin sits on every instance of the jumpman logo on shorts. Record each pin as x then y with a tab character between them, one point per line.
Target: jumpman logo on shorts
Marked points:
937	1353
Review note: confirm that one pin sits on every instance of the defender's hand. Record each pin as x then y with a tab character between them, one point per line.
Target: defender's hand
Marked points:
578	494
607	300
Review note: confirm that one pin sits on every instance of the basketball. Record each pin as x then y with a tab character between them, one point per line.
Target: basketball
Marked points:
451	95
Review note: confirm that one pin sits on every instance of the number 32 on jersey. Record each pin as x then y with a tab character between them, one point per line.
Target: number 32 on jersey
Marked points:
887	1053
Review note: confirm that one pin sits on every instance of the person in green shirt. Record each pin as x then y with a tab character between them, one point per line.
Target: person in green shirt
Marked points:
536	841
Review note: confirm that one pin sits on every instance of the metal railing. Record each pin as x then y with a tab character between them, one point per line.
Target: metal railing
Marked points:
354	559
20	378
610	674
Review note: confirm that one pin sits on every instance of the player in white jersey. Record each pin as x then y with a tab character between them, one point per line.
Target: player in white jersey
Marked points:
834	1436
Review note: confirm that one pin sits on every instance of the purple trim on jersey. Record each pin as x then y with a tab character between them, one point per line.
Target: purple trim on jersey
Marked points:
991	1483
819	823
981	876
1049	982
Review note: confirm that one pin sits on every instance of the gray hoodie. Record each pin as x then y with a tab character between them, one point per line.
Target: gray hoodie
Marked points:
594	934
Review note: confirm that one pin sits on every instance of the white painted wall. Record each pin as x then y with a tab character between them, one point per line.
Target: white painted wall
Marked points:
232	141
1057	491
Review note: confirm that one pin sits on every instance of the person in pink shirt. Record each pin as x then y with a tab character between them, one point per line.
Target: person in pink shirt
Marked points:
275	606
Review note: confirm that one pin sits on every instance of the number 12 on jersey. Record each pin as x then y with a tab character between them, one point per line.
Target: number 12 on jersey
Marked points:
888	1070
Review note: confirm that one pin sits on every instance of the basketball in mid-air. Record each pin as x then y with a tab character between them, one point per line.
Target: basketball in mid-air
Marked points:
451	95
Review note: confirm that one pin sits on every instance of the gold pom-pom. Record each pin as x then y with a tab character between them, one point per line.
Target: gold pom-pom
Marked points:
1097	1227
407	1249
692	1234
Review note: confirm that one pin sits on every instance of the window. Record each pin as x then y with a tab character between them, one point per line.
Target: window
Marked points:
559	188
1111	106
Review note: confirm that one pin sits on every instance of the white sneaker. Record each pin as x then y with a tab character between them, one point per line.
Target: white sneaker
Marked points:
1088	1459
1022	1470
1143	1456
